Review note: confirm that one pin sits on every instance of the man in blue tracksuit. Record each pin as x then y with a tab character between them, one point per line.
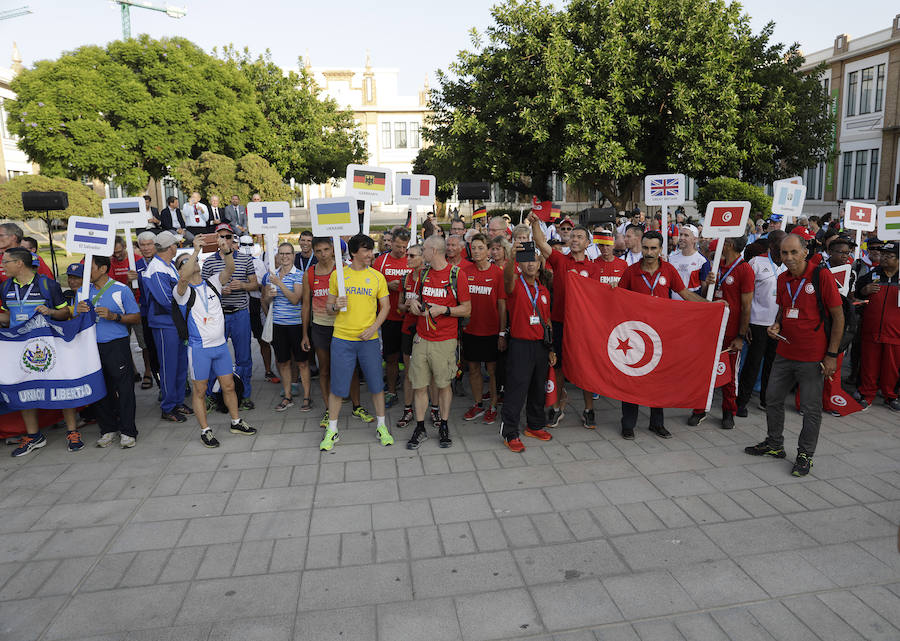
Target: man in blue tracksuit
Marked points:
159	280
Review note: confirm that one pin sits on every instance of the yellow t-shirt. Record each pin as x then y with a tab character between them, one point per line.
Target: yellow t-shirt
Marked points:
364	288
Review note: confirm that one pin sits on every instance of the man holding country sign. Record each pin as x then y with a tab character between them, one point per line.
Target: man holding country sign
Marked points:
664	190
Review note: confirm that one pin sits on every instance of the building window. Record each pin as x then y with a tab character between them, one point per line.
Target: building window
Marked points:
846	172
172	188
879	88
851	93
873	175
386	135
414	135
859	182
400	135
3	131
815	182
865	90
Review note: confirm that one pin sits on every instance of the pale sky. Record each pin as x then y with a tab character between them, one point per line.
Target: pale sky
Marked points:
415	36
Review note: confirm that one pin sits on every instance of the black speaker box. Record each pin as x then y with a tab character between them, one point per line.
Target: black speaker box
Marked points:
44	200
474	191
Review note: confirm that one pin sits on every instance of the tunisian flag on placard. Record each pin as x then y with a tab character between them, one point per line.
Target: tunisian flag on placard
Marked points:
641	349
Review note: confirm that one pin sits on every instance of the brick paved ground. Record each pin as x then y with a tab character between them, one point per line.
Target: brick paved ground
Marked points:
584	537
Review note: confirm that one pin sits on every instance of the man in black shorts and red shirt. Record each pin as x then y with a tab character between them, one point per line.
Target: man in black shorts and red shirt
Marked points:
394	267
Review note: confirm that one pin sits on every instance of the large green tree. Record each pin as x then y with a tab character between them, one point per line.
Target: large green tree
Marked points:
215	174
607	91
312	139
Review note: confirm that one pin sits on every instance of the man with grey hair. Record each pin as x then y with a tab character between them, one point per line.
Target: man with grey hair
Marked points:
146	242
497	227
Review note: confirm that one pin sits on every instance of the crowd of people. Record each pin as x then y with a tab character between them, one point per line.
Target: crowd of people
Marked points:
483	303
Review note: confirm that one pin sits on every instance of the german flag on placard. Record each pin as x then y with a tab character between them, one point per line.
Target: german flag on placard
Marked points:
481	212
555	211
334	213
368	180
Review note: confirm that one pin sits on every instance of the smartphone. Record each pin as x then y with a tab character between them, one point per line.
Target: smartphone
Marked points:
526	254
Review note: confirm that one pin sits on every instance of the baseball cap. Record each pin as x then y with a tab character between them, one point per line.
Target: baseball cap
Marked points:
776	218
565	220
75	269
692	229
246	240
844	238
165	239
891	247
874	243
224	227
803	232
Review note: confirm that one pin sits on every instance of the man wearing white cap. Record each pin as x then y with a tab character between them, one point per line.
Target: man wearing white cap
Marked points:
691	265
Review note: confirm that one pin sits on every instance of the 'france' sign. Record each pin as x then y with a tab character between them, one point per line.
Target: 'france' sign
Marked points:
269	217
95	236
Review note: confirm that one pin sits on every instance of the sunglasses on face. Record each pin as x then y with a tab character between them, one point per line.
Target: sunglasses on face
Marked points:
227	236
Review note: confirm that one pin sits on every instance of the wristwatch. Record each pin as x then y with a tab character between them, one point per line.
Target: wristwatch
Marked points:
831	354
503	334
447	312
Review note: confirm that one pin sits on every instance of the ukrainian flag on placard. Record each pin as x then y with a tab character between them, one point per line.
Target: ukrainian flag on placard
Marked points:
334	213
368	180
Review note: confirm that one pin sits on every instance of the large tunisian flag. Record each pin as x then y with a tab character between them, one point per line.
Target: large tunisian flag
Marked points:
641	349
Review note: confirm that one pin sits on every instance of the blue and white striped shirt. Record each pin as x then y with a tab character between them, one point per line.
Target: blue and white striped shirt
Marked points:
286	313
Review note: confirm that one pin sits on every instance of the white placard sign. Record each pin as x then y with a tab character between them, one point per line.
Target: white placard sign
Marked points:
859	216
842	277
788	198
94	236
889	222
415	189
726	219
664	189
334	217
126	212
369	183
268	217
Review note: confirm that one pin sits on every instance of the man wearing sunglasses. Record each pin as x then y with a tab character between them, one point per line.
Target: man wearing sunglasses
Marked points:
236	306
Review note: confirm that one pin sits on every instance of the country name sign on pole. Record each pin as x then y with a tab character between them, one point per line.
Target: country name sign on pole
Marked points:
889	222
127	214
371	184
335	217
724	219
788	198
664	190
91	237
861	217
269	219
415	190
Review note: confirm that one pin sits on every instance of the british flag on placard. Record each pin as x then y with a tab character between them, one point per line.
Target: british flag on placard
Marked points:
664	189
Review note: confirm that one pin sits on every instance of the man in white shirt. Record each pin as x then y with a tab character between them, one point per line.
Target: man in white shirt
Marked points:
633	236
216	213
196	215
763	310
691	265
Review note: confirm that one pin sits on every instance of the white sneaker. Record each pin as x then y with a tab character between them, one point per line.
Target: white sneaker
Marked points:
127	441
106	439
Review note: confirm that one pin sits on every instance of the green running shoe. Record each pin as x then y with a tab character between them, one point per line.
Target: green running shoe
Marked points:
331	437
324	422
363	415
384	435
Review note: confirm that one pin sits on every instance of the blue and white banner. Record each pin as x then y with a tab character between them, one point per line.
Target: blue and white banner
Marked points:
50	364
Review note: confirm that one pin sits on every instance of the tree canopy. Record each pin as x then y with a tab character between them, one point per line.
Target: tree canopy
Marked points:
83	201
724	188
217	174
607	91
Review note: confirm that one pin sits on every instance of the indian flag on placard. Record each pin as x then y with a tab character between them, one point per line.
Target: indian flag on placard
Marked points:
892	219
334	213
368	180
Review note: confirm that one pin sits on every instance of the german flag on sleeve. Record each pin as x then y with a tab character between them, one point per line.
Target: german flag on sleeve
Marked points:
368	180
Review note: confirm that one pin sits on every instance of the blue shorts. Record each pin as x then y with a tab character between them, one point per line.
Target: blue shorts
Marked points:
344	356
205	363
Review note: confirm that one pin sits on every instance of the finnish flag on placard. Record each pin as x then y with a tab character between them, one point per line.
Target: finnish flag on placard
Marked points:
50	364
95	233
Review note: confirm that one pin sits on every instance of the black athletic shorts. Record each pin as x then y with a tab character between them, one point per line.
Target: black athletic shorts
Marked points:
320	336
256	321
391	332
479	349
287	341
558	342
406	343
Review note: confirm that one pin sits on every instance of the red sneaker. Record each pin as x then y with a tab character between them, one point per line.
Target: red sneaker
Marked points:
272	378
490	416
474	412
515	445
541	435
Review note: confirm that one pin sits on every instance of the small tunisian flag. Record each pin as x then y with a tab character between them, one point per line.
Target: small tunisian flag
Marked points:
724	370
641	349
550	396
543	210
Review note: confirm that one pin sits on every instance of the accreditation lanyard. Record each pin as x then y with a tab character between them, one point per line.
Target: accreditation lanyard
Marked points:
22	316
727	274
101	292
655	281
794	312
205	299
535	317
305	265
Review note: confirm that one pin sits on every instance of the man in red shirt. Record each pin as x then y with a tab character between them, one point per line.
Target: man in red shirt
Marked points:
609	267
734	284
653	277
805	355
443	298
575	264
529	356
484	337
455	247
394	267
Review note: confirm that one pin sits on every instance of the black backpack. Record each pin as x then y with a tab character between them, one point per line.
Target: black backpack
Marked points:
851	319
179	319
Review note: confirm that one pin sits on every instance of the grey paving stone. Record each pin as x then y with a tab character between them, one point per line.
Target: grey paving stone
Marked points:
669	513
323	551
357	548
396	514
740	624
842	524
457	538
15	547
778	499
288	555
769	534
752	503
641	517
784	573
616	633
667	462
780	622
274	628
848	565
343	624
76	542
284	524
666	548
519	478
218	561
135	608
154	535
108	572
700	626
658	631
424	541
354	586
603	470
478	618
182	565
568	562
67	575
469	507
819	618
24	620
456	575
574	604
612	520
20	519
216	529
253	558
630	490
355	493
27	580
731	478
717	583
648	594
551	528
441	485
189	506
239	597
515	502
860	616
882	600
145	568
390	545
725	506
269	500
488	535
686	483
334	520
408	621
520	531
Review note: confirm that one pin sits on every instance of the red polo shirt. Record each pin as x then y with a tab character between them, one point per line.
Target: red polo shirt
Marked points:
565	267
437	290
669	280
486	289
392	269
730	284
611	272
521	311
807	344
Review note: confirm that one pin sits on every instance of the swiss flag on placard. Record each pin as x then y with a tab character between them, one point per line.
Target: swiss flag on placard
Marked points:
861	214
637	348
722	216
724	373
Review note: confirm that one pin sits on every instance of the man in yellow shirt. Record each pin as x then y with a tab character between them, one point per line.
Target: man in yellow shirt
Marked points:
360	313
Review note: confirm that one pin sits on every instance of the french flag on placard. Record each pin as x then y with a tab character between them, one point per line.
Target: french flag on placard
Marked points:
91	232
415	187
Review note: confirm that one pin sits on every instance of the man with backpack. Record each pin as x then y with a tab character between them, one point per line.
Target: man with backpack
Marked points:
441	302
806	353
199	317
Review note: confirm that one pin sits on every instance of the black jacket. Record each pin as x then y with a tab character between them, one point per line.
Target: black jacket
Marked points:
165	219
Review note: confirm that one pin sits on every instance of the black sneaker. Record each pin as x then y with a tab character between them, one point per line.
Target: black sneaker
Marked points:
893	405
241	427
435	415
406	419
587	419
206	436
444	435
742	412
418	437
762	405
695	419
184	409
246	404
863	403
660	431
628	433
174	416
554	416
802	465
764	449
727	421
